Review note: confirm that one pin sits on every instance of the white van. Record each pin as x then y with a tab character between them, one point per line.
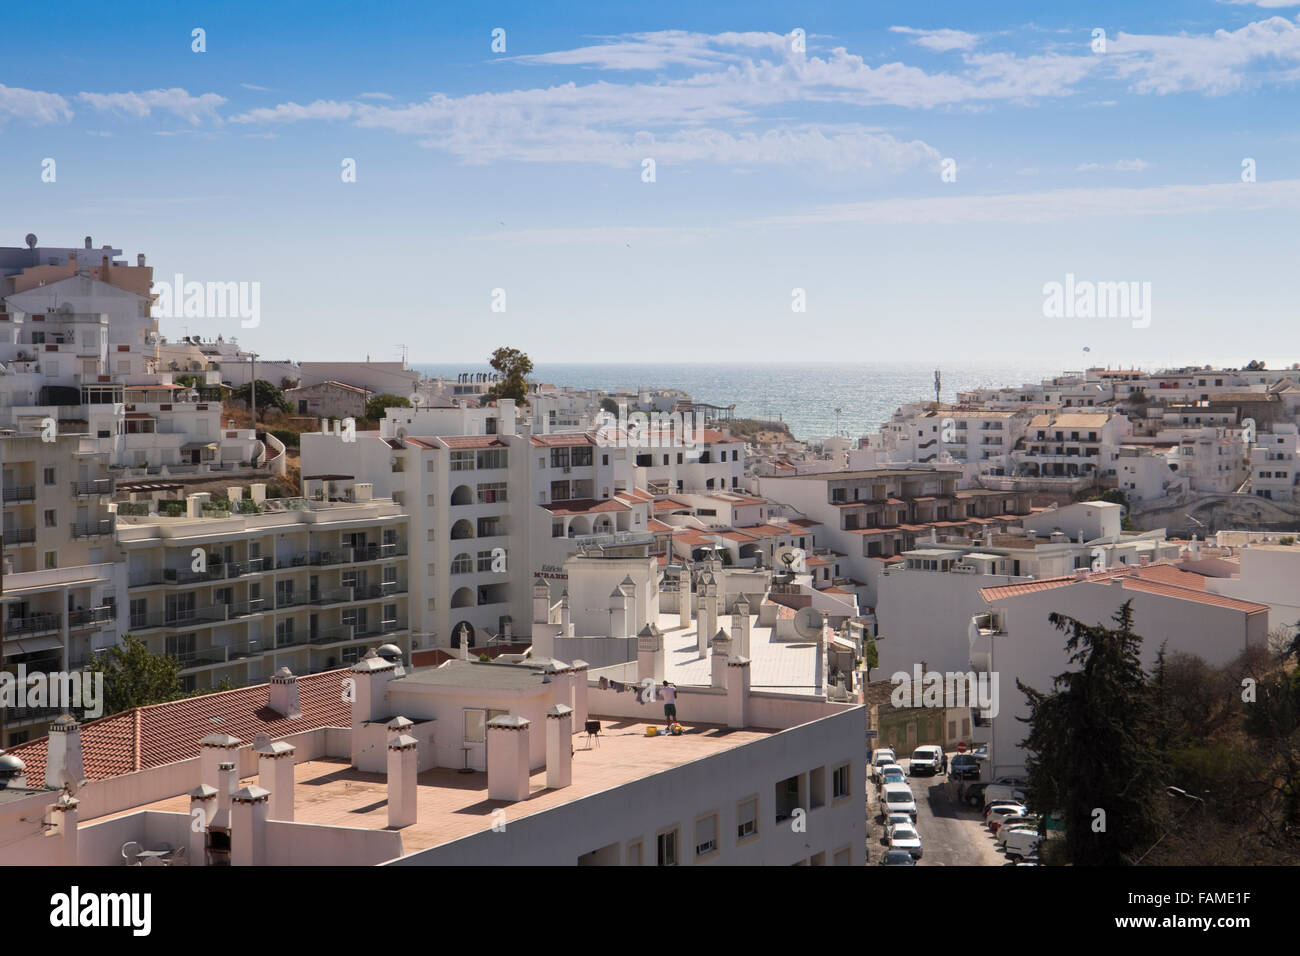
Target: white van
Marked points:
879	759
897	798
927	760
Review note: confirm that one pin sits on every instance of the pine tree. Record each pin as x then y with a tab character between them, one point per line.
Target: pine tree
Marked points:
1095	745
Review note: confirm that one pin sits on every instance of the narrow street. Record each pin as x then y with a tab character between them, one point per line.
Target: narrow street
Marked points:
951	834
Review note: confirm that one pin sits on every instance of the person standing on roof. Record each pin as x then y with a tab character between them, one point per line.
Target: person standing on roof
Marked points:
669	694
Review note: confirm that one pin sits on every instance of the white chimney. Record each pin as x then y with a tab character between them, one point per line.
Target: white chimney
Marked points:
283	695
580	706
275	773
194	504
740	627
203	806
64	769
684	596
248	826
403	761
721	653
507	750
738	678
363	491
650	654
559	746
257	492
215	750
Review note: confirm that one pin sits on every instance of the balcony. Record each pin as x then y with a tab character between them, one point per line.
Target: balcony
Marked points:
19	494
20	536
32	625
93	529
100	486
92	617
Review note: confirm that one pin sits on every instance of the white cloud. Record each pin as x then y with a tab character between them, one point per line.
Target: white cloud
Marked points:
1056	205
1118	166
376	96
1213	64
942	41
33	106
255	87
192	109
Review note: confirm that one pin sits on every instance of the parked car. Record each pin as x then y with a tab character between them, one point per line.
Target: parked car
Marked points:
879	759
897	858
897	798
928	760
972	793
896	817
997	812
1022	843
903	836
892	773
1003	793
1016	822
965	766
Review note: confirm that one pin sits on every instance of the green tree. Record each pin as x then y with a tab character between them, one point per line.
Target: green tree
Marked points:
609	405
1093	745
514	367
870	656
376	404
268	396
134	677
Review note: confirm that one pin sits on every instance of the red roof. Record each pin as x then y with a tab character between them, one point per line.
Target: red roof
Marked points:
560	441
472	441
146	737
584	506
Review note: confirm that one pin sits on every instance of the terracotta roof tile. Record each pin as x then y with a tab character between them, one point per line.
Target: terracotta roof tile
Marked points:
146	737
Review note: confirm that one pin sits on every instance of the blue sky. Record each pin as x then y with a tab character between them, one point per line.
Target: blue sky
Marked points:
776	168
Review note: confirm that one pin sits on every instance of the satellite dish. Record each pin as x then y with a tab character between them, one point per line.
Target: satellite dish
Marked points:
808	623
31	240
792	558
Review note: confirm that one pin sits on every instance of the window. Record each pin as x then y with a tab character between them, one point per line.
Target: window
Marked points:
491	492
428	466
493	458
557	529
51	560
51	476
604	459
580	457
840	782
463	564
667	849
51	518
139	612
284	632
179	646
706	835
462	461
746	819
817	786
485	561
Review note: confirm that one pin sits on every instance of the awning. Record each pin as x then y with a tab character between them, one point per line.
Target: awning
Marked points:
199	446
31	645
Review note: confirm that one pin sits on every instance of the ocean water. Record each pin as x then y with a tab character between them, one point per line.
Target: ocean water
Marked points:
804	396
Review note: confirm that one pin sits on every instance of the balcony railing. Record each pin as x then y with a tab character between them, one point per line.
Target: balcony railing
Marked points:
93	616
20	493
20	535
33	624
99	486
93	529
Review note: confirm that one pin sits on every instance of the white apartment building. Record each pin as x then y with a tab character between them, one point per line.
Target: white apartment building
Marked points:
1013	639
1273	472
1071	445
982	436
238	588
758	778
63	577
464	476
